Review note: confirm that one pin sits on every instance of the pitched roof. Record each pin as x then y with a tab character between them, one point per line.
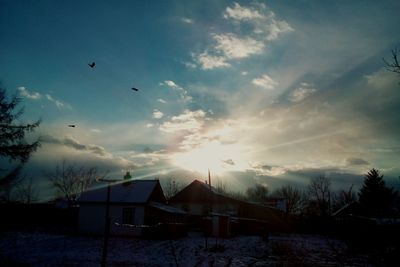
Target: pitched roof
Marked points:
136	191
200	192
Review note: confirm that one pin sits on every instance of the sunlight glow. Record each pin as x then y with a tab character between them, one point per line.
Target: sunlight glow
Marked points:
213	155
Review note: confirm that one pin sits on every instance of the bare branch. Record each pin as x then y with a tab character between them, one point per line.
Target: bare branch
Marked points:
393	65
71	181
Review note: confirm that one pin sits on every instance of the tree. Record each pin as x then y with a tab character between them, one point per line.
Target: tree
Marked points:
319	193
293	197
221	187
393	65
14	149
344	197
70	181
26	191
375	196
172	187
258	193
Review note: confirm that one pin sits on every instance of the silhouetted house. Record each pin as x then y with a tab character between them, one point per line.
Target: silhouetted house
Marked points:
277	202
200	200
350	209
38	215
137	207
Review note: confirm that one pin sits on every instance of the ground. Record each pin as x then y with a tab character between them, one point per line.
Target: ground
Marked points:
56	250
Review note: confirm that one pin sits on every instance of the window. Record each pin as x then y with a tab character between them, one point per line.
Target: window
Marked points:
128	215
185	207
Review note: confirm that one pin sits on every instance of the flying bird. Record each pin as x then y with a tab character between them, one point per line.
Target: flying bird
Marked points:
71	125
135	89
92	65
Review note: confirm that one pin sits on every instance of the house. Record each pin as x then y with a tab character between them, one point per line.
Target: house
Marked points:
200	200
136	208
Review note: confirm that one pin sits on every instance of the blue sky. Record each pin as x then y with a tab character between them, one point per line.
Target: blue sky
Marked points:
258	91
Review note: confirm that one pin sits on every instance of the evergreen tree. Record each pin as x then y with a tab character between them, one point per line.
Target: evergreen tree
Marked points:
376	198
14	149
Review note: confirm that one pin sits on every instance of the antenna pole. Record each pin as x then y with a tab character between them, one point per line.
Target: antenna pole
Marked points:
209	178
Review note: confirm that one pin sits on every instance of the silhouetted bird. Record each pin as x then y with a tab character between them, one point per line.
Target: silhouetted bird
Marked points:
92	65
135	89
71	125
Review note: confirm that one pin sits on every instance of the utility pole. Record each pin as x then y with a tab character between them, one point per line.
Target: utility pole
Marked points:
107	223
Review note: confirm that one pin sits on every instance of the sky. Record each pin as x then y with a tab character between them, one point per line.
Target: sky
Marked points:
272	92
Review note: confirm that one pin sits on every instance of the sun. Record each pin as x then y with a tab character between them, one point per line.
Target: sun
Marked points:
213	156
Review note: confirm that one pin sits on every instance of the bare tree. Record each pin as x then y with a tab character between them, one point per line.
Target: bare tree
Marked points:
293	196
172	187
319	193
26	191
393	65
221	187
344	197
258	193
71	181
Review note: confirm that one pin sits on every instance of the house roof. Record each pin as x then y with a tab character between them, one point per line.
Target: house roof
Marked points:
350	208
166	208
200	192
136	191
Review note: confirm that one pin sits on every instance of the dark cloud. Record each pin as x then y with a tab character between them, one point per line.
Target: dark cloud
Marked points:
229	162
73	143
147	150
356	161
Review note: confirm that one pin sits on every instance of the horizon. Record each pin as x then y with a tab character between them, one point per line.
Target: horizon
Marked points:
258	92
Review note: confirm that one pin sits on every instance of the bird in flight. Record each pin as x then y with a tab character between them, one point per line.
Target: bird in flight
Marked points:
135	89
92	65
71	125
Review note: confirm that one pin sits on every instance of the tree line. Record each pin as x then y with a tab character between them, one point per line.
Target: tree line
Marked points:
319	199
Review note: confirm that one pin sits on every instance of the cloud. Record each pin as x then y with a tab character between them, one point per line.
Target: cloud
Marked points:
265	82
25	93
208	62
229	162
36	96
274	28
73	143
302	92
157	114
189	121
228	47
233	47
95	130
183	94
57	102
147	150
190	65
237	12
262	26
187	20
267	170
381	79
356	161
171	84
262	19
161	101
149	125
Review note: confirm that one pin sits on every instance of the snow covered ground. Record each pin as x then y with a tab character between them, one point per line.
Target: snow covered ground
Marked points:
56	250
